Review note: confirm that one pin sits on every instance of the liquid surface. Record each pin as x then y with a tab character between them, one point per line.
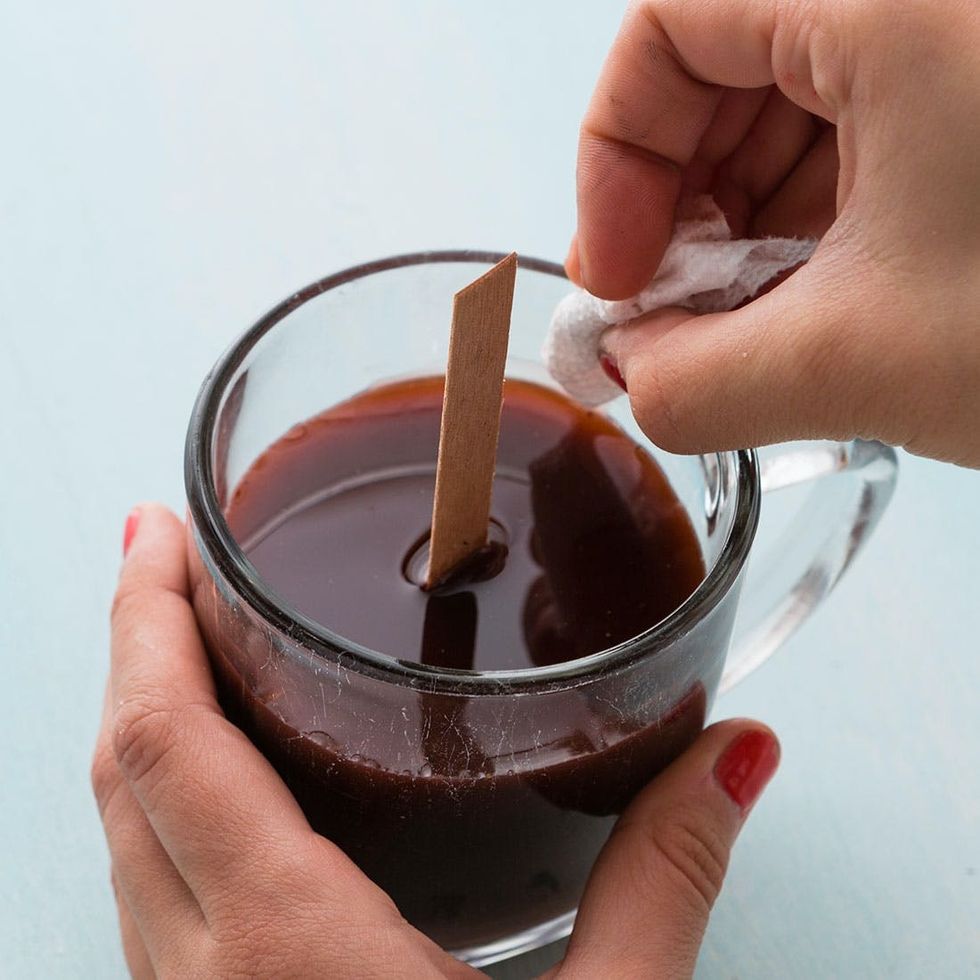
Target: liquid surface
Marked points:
334	517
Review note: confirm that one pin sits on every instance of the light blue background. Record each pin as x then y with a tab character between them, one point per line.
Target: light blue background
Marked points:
169	171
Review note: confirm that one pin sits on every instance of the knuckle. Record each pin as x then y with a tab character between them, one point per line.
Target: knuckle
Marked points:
105	776
143	735
692	853
125	597
135	602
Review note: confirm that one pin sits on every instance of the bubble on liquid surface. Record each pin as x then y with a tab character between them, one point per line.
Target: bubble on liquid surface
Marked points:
416	562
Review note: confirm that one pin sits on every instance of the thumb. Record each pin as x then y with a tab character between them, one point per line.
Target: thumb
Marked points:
647	902
803	361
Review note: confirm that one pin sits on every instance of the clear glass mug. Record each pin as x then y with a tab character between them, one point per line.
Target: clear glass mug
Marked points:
488	850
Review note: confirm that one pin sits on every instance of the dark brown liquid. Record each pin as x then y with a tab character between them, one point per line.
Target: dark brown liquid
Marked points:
590	545
480	816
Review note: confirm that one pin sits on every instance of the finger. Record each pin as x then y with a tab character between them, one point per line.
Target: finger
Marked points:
148	887
777	141
219	809
654	101
734	117
805	204
648	898
134	949
642	126
803	361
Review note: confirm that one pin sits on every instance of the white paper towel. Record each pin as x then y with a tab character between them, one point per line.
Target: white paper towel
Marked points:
703	269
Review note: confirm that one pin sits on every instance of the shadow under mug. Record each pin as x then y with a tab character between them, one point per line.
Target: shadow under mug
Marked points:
479	801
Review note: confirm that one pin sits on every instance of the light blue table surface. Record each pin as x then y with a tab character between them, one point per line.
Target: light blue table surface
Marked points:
169	171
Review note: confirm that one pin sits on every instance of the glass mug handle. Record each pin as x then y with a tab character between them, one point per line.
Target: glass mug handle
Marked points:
852	484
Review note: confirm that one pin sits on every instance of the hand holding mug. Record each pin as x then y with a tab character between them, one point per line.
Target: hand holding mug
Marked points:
217	872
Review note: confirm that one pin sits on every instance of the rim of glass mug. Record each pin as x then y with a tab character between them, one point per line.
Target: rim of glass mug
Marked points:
739	469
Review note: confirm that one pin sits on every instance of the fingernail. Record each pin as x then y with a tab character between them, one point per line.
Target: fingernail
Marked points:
608	366
129	531
747	765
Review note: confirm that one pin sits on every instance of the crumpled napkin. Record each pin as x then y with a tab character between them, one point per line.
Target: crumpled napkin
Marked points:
703	269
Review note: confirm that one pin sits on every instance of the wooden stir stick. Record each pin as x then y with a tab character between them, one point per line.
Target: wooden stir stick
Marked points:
470	419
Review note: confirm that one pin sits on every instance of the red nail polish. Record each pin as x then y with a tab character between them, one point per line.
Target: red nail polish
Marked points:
608	365
747	765
129	531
